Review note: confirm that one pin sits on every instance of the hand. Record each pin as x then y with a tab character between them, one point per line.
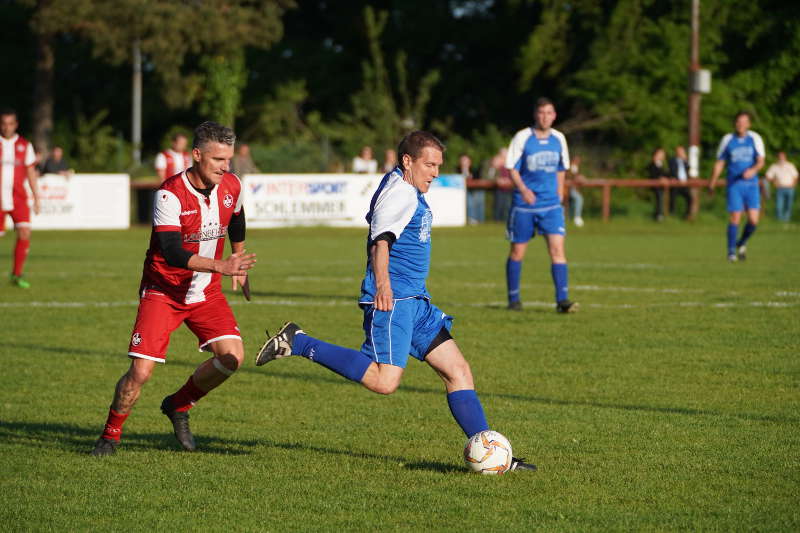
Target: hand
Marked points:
710	189
384	299
749	173
528	196
237	264
238	280
36	205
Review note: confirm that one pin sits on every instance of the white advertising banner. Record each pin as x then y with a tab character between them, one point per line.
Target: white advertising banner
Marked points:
277	200
83	201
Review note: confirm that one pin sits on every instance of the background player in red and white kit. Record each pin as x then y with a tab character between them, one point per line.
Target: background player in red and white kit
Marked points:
18	165
173	160
181	283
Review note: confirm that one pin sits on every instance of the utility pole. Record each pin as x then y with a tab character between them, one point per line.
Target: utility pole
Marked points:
136	108
699	83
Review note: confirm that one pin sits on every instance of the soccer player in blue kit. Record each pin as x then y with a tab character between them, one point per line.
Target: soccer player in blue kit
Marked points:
399	318
538	157
743	151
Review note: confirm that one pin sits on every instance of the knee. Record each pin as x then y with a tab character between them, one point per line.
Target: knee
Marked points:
139	373
385	386
228	363
24	233
460	374
517	254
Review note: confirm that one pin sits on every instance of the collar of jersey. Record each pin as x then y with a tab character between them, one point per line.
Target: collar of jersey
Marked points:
191	188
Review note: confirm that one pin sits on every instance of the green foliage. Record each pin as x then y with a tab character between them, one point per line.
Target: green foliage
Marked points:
280	117
97	147
225	77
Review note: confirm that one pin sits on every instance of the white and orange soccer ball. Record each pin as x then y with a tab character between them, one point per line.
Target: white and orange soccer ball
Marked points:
488	452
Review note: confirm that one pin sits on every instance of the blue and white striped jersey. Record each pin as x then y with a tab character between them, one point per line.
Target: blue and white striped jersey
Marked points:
740	153
538	161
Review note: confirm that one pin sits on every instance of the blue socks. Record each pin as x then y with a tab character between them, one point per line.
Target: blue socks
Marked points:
468	411
559	273
348	363
749	229
513	274
732	228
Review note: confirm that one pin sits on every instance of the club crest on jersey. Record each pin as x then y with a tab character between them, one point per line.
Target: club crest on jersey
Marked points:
228	200
425	226
136	340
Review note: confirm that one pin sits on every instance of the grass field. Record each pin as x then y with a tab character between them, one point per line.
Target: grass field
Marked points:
670	402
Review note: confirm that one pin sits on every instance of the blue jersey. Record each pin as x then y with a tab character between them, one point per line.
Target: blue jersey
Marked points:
740	153
397	207
538	162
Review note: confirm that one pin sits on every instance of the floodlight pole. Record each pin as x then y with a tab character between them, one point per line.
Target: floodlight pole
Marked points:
136	109
694	94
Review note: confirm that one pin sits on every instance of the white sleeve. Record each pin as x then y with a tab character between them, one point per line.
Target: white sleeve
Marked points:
30	155
515	149
723	144
393	210
564	149
759	142
161	161
166	209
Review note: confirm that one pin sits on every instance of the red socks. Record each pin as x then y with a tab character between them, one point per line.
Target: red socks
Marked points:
20	254
113	429
187	396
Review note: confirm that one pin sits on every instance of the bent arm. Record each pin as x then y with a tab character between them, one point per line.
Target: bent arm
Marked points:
379	258
33	182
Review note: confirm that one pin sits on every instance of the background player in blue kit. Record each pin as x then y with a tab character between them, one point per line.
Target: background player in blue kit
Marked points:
399	318
743	152
538	157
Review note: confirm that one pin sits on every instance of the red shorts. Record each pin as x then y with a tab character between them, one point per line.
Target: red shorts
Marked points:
160	315
21	214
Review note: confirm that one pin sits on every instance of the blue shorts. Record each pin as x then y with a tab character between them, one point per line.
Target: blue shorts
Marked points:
408	329
525	222
743	194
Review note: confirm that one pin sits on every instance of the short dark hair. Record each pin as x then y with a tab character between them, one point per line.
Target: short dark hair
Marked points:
178	136
7	111
212	132
413	143
742	112
543	101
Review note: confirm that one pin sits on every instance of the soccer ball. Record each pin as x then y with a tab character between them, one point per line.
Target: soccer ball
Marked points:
488	452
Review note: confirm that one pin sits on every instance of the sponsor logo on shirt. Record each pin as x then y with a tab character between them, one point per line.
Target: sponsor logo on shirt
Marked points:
136	340
189	212
208	234
228	200
425	226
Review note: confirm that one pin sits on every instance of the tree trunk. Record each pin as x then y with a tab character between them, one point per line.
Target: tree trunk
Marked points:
43	93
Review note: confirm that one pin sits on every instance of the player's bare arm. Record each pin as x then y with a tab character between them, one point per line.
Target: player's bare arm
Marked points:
560	177
236	264
33	182
719	165
527	194
384	299
238	279
752	171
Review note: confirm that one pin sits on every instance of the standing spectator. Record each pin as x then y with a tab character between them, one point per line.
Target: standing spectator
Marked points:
538	158
679	169
242	163
194	212
389	160
56	164
575	196
175	159
657	170
743	152
504	185
364	163
18	165
784	174
476	198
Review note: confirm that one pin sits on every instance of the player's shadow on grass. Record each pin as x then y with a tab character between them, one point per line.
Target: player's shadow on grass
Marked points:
300	295
81	440
434	466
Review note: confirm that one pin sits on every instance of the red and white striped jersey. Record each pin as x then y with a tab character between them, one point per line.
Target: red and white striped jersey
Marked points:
16	155
173	162
203	224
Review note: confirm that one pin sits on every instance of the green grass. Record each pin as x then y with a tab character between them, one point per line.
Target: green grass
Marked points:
670	402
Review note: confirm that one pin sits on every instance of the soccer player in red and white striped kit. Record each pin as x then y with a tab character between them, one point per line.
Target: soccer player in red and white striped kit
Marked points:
193	212
18	165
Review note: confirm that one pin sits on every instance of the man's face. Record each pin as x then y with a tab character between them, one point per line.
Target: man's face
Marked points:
545	116
781	156
425	168
680	152
58	153
742	124
212	161
179	144
8	125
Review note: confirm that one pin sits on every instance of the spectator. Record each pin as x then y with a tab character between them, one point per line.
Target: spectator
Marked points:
389	160
56	164
175	159
575	196
505	186
784	174
476	198
242	163
657	170
364	163
679	170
